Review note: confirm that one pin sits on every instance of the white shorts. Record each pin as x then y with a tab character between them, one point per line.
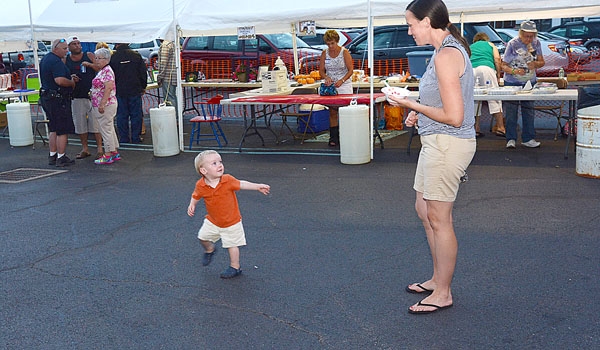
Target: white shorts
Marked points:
84	123
485	73
232	236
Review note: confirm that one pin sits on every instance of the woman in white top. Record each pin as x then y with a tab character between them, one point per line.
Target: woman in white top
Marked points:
336	69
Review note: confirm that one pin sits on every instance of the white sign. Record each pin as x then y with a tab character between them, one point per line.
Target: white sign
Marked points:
246	33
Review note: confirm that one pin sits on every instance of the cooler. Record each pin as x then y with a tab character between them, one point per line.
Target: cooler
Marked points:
418	61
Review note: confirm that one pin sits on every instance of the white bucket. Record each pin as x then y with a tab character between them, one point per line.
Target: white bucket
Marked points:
19	124
355	138
165	140
587	161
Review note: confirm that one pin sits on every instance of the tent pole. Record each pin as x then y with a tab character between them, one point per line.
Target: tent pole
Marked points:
371	71
295	48
178	89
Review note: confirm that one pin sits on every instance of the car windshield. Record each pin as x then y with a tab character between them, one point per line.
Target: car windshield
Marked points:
284	41
489	31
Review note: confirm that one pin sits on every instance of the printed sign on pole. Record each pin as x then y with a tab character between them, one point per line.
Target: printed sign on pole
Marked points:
247	32
306	28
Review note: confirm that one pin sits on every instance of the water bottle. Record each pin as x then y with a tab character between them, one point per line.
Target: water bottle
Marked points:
477	82
561	73
82	68
488	84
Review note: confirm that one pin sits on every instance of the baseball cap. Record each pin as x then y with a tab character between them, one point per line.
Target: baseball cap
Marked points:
71	39
528	26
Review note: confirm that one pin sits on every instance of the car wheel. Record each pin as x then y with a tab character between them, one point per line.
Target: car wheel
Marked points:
594	49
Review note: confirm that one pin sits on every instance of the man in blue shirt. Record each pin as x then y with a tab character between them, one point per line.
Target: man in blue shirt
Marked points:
55	97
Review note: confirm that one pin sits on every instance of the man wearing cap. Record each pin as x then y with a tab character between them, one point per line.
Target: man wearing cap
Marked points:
131	78
81	104
55	97
523	55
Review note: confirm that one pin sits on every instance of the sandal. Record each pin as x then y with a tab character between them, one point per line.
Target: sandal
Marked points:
82	154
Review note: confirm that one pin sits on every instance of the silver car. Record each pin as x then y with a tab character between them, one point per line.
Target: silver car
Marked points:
554	51
148	50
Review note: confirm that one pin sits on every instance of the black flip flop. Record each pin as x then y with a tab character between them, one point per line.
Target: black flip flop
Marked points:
437	308
424	290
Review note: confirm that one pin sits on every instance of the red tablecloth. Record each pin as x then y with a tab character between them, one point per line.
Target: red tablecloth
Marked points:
338	100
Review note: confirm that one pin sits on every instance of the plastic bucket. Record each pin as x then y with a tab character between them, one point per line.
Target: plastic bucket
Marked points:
19	124
355	138
165	140
587	161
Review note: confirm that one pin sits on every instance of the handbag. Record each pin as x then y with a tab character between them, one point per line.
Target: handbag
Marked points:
327	90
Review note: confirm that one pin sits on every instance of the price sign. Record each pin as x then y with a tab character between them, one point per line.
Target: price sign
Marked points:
247	32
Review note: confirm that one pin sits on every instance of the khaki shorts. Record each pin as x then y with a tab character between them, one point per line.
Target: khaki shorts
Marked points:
232	236
82	119
442	161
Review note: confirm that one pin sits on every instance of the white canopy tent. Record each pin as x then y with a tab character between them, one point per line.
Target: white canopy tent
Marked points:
141	21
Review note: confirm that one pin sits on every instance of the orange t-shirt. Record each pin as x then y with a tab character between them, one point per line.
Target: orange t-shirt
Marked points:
221	202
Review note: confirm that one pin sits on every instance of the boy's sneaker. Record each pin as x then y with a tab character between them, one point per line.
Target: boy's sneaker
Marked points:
64	161
207	258
511	144
104	160
52	159
231	272
116	156
531	143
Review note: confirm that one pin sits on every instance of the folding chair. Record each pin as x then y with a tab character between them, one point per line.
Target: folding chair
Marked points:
553	109
303	118
32	82
211	113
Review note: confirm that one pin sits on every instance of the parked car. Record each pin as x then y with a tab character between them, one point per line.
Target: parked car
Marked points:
13	61
581	33
148	50
578	55
317	41
392	43
218	56
554	52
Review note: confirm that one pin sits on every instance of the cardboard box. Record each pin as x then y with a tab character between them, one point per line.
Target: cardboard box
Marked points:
319	121
3	120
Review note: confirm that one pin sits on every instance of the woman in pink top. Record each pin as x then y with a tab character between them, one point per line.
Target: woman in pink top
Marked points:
104	106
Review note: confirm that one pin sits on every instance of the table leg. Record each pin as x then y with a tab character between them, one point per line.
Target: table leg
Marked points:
572	121
380	111
252	125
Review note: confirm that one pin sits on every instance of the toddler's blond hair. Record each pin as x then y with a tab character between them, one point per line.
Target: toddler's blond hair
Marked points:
199	160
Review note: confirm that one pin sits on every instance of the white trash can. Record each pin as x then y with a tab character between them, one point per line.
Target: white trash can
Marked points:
587	161
165	140
355	138
20	127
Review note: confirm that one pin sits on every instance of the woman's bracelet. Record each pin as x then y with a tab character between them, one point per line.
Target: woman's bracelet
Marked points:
513	71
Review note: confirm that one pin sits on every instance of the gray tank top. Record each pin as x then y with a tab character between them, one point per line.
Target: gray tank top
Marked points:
429	94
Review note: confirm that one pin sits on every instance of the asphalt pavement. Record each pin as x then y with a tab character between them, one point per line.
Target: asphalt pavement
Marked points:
105	257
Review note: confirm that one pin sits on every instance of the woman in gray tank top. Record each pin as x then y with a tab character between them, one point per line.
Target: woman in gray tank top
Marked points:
445	119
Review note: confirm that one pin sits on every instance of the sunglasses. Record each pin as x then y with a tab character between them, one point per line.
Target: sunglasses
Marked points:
60	41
